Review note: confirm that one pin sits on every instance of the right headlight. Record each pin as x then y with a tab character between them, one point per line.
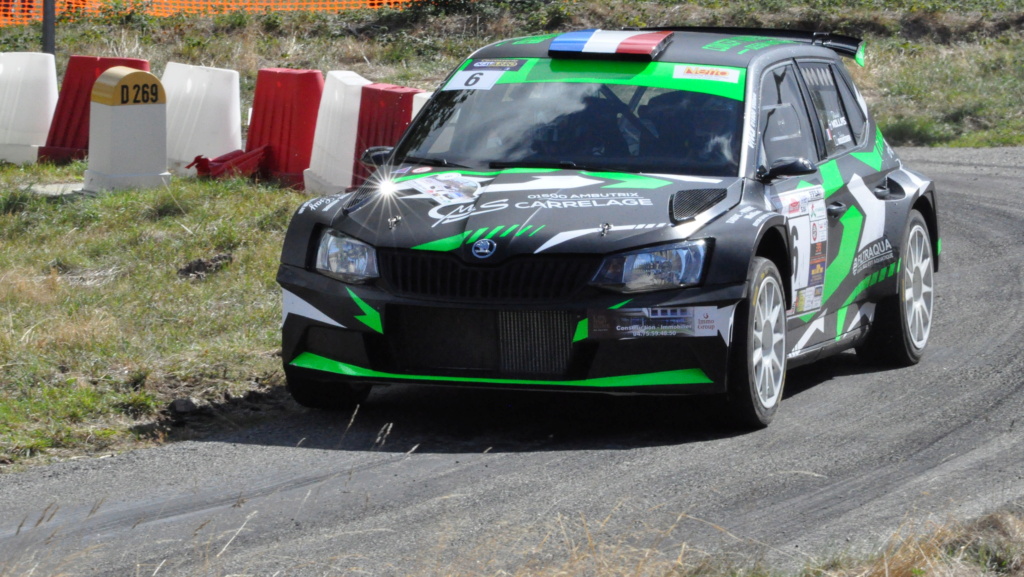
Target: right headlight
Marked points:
345	258
657	268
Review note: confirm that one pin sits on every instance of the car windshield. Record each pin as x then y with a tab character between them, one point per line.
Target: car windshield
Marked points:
580	120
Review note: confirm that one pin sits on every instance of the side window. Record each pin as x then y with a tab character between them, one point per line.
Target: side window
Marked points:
833	121
852	104
785	128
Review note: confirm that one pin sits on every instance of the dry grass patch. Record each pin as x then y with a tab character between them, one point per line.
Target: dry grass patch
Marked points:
23	286
990	546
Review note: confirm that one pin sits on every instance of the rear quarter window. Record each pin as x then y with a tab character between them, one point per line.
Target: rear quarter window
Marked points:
833	120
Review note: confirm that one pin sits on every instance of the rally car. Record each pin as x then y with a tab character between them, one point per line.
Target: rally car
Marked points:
657	211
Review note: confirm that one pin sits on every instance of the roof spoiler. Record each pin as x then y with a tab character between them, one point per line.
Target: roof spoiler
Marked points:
843	45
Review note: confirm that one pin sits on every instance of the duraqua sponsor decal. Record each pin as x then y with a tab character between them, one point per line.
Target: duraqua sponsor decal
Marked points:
875	254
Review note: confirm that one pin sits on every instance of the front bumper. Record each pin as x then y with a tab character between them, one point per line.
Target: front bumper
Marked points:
670	342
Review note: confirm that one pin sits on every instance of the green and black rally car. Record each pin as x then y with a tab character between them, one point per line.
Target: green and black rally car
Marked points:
663	211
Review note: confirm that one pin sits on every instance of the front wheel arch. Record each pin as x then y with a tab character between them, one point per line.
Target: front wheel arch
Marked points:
774	246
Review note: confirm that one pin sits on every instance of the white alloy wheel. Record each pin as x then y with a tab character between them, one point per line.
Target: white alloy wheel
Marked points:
903	321
768	345
918	286
757	372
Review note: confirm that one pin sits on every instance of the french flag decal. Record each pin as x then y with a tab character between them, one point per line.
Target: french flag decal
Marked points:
646	45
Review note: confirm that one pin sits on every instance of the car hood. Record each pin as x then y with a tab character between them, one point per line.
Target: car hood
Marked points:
494	215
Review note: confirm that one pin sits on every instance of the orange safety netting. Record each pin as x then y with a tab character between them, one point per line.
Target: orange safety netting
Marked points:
14	12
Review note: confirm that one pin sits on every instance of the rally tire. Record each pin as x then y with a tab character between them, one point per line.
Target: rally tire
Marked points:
902	323
757	372
324	394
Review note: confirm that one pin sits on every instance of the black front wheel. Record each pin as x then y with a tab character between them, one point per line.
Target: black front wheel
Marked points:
758	354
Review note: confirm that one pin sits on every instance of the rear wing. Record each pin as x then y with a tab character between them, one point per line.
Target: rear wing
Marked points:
843	45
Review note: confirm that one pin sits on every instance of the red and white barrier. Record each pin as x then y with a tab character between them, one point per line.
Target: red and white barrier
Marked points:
384	114
68	138
203	114
334	144
284	111
298	136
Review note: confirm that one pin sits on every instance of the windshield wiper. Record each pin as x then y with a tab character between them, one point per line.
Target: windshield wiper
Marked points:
431	161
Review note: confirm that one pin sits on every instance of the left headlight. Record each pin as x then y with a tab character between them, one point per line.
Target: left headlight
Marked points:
346	259
663	267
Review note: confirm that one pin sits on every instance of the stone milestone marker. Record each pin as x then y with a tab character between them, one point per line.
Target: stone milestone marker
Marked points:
127	132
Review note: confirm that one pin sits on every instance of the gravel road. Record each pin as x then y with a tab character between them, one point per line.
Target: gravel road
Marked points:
427	482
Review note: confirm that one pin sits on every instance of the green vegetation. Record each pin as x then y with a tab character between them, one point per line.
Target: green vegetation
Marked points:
102	330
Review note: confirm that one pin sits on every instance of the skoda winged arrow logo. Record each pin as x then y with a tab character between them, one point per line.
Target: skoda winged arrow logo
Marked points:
484	248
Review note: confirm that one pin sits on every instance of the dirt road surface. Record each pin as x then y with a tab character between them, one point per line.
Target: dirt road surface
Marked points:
430	482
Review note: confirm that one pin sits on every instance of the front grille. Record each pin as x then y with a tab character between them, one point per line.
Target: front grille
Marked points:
444	276
535	342
466	342
687	204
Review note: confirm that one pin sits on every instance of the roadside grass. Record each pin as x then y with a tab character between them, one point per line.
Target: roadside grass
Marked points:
954	95
992	545
989	546
100	330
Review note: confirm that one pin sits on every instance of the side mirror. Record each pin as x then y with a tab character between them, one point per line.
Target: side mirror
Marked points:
376	156
788	166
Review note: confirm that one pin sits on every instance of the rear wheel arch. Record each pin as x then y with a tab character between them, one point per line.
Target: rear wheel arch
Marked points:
925	206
